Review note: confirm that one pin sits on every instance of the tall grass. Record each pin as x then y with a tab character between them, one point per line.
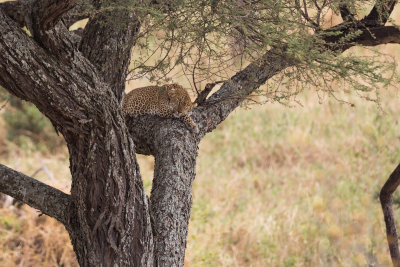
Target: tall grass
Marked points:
295	186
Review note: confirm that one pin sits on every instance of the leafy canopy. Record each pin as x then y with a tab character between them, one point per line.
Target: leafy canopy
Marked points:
210	40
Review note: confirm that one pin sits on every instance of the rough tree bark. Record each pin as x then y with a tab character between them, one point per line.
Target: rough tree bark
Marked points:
78	83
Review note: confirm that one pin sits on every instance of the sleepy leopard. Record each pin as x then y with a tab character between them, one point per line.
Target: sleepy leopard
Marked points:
168	101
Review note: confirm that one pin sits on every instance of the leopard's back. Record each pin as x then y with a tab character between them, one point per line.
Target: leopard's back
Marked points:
141	101
166	101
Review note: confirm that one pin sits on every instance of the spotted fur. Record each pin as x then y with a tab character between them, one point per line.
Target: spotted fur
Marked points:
168	101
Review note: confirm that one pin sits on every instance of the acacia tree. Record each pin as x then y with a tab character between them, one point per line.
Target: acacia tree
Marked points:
77	79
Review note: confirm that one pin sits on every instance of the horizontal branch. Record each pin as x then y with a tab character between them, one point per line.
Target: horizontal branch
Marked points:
36	194
379	35
367	36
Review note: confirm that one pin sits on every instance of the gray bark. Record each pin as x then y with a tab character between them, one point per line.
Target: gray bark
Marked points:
48	200
171	194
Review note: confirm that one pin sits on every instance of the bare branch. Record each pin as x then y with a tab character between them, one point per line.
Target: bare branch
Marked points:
386	198
36	194
304	13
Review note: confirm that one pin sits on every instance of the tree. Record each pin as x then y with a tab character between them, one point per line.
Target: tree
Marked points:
77	79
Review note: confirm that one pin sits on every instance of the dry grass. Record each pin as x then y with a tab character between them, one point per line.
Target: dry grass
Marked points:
294	187
276	186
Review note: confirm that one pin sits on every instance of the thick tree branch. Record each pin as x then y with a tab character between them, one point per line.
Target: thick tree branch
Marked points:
107	42
38	16
19	11
32	74
81	10
49	31
171	193
46	13
41	18
345	12
36	194
112	219
379	35
232	93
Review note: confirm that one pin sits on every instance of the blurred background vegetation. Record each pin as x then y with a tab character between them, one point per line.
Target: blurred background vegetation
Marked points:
26	126
276	185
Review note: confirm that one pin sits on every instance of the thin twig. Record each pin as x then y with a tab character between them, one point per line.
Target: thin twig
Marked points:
47	171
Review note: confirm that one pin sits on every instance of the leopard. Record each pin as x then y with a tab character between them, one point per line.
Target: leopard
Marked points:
167	101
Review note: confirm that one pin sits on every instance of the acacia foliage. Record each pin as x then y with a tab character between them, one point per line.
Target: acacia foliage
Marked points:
209	40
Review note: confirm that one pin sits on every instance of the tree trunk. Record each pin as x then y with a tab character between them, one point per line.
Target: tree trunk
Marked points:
171	194
112	227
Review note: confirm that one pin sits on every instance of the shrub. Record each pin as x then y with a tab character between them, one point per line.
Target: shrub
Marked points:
26	125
